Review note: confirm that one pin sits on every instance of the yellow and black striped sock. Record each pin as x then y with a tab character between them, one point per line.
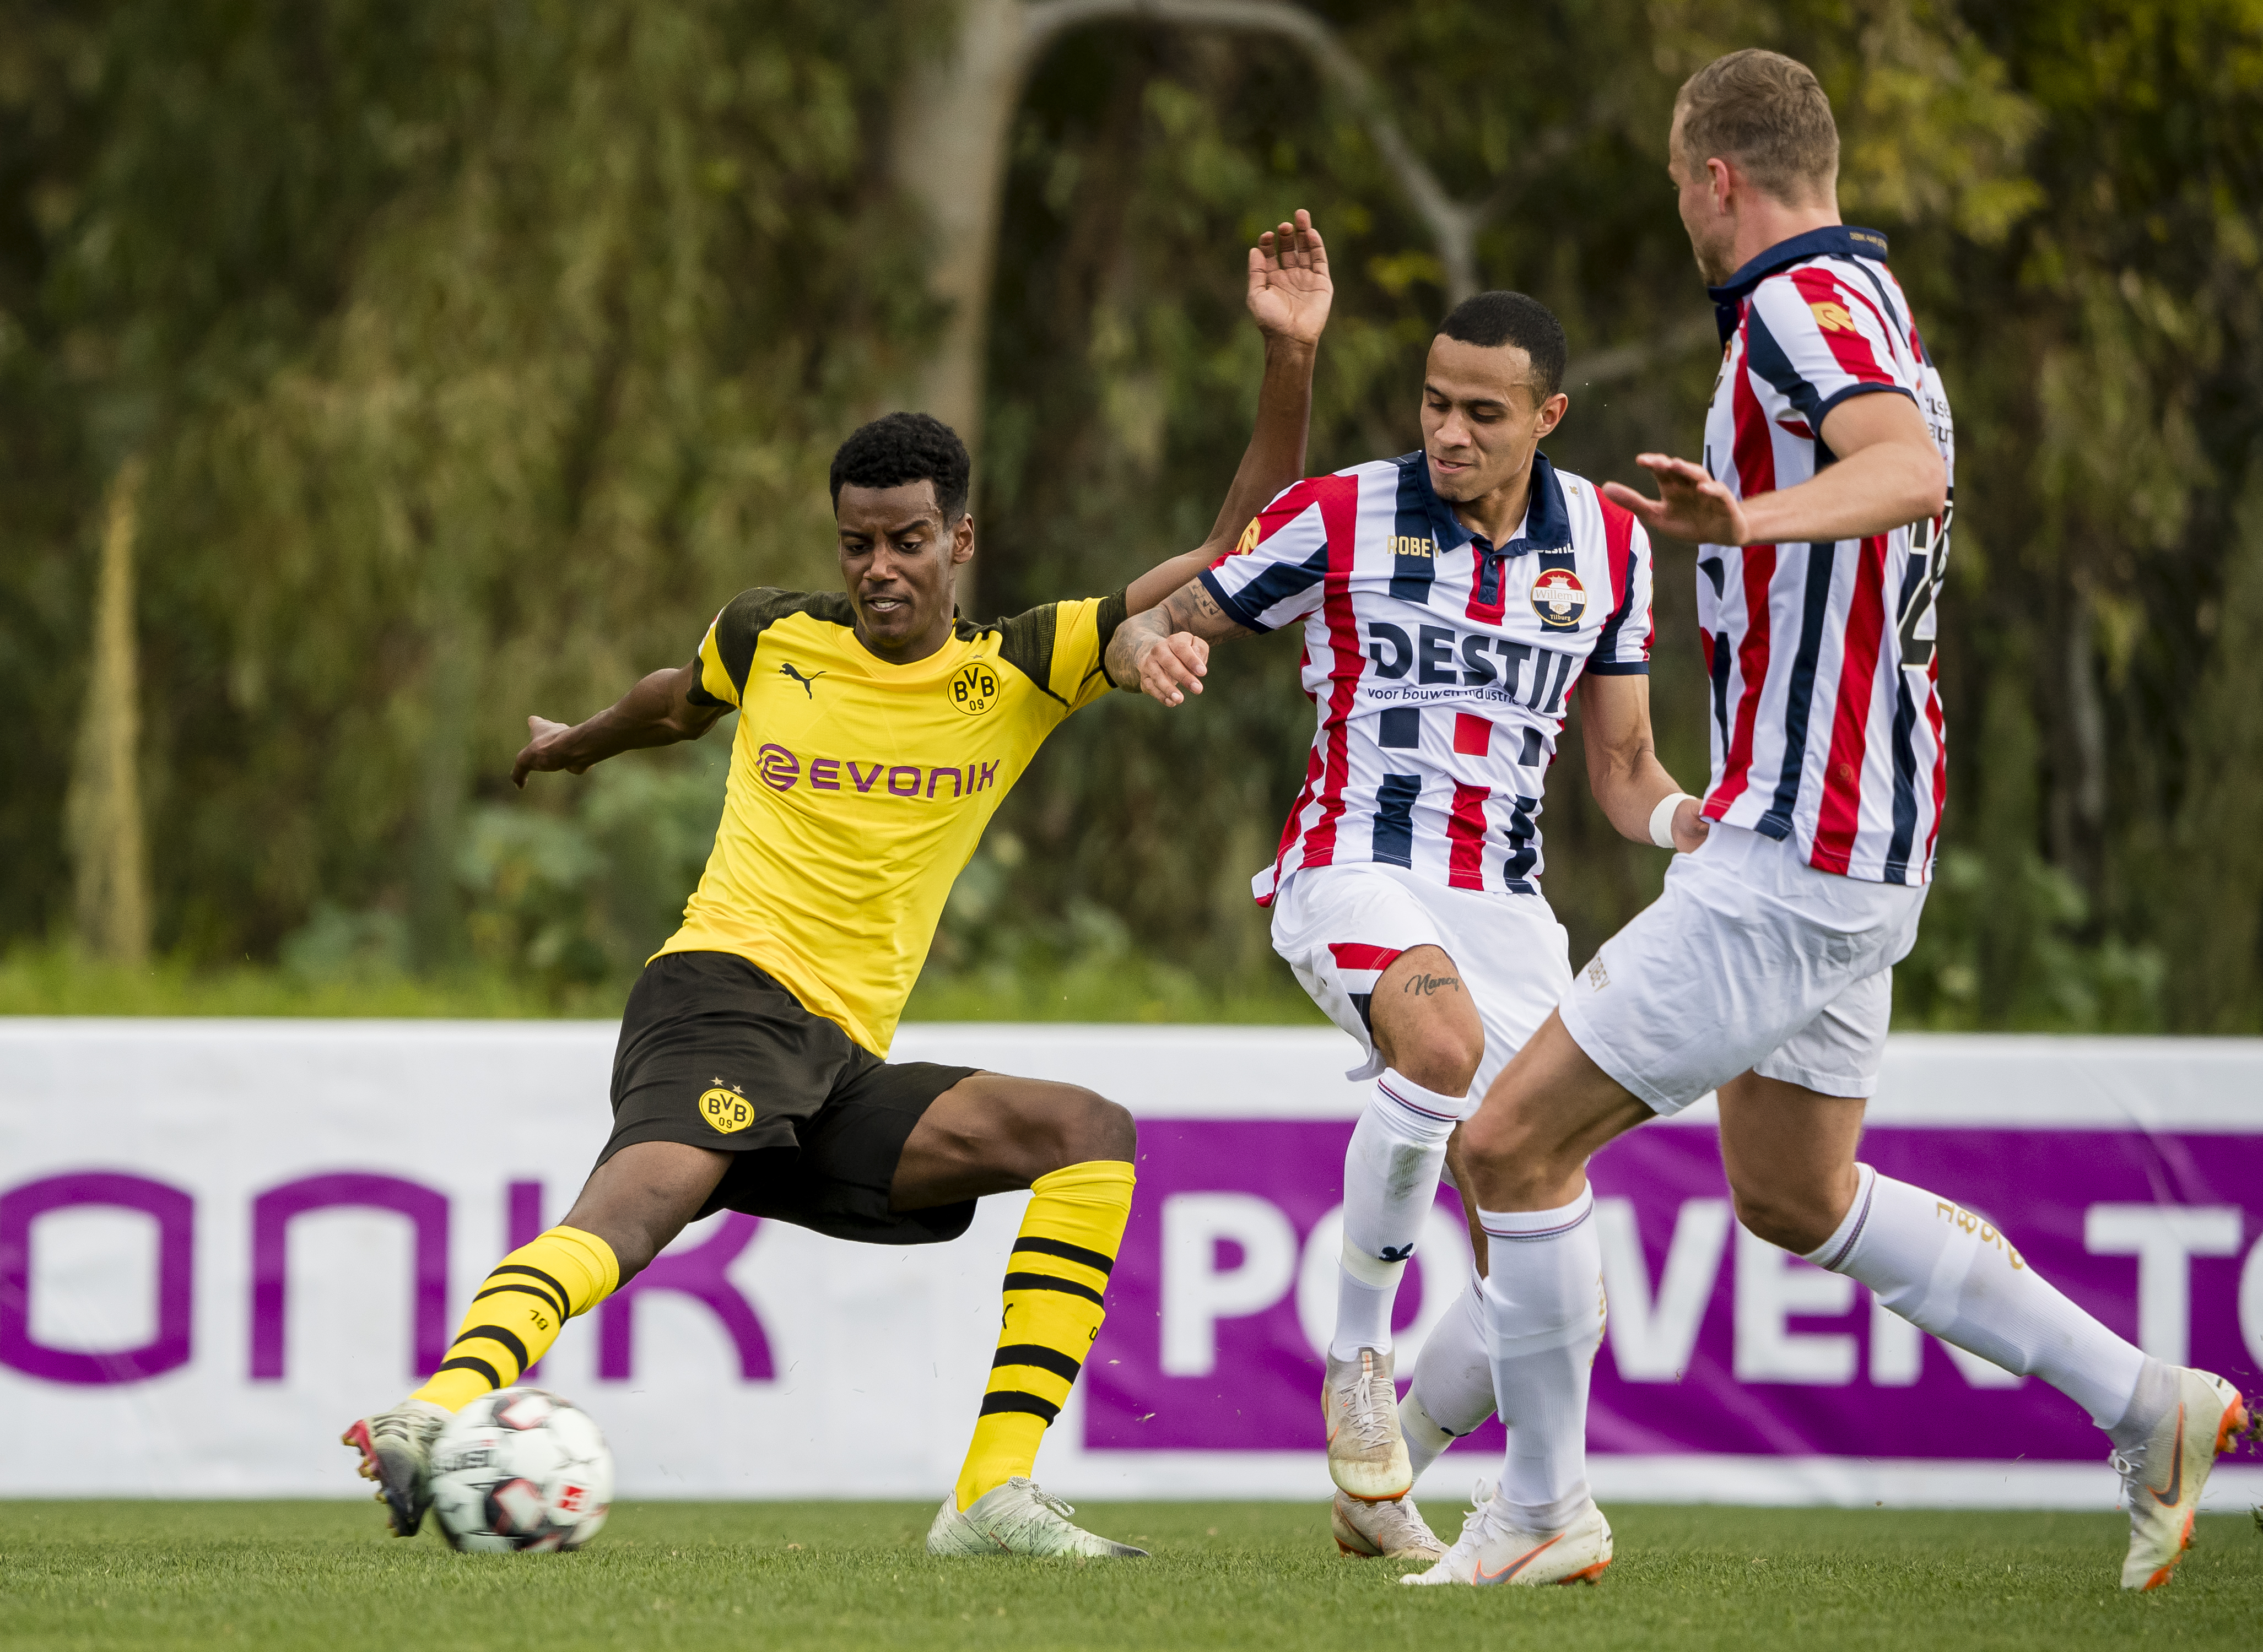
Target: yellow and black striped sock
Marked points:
518	1312
1054	1282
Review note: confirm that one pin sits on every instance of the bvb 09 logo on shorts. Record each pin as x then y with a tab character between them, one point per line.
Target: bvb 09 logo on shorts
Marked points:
974	691
727	1110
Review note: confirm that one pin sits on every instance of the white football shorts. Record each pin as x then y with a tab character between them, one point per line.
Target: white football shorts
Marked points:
1751	960
1341	926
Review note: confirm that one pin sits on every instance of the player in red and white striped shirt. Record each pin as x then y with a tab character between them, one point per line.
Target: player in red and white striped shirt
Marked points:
1451	602
1765	968
1826	704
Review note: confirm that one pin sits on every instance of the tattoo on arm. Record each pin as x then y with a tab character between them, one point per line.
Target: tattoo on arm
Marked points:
1429	985
1191	607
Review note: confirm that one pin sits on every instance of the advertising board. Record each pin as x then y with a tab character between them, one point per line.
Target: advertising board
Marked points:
221	1241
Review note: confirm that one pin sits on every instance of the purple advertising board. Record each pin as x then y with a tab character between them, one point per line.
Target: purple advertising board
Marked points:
1718	1342
165	1330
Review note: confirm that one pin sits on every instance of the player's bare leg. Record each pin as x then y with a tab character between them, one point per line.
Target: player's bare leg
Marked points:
1790	1157
989	1134
1790	1154
1428	1034
631	1206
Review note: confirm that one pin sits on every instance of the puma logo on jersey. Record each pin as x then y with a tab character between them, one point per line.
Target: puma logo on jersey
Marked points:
808	684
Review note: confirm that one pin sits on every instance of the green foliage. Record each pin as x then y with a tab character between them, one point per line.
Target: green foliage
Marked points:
356	978
479	352
584	894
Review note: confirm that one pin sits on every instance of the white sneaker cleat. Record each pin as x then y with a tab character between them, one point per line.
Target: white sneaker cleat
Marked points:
2163	1479
1018	1518
396	1452
1386	1531
1492	1551
1367	1454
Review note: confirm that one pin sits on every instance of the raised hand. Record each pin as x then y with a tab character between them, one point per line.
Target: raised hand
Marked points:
1289	291
1691	505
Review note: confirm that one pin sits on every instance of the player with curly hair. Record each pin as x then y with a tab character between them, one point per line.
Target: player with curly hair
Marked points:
878	732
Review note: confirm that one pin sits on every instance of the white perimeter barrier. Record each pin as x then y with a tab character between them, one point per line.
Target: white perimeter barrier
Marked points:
221	1241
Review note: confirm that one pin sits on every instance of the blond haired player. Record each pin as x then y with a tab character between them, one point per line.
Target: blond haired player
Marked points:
1765	970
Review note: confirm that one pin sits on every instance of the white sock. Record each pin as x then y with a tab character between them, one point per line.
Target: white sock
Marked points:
1452	1392
1544	1294
1390	1181
1946	1271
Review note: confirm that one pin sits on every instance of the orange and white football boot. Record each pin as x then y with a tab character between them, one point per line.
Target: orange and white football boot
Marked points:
2163	1479
1490	1550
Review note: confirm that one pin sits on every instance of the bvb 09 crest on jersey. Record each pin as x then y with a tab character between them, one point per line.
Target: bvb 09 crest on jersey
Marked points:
1559	599
974	689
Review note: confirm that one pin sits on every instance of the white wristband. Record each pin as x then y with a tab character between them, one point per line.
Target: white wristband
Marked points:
1661	818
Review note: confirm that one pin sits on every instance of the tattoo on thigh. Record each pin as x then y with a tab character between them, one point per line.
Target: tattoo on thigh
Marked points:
1426	986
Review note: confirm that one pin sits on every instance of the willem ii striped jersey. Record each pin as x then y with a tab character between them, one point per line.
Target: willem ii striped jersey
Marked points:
1826	699
1441	666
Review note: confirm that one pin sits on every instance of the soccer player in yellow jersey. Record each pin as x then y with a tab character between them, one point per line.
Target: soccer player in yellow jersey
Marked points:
878	734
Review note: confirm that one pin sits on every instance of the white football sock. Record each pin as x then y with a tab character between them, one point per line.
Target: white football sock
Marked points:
1390	1181
1945	1270
1544	1297
1452	1392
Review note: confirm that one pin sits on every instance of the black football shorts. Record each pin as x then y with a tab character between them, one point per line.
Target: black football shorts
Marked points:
714	1053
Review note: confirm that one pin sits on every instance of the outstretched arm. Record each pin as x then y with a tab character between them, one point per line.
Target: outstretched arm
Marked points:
658	711
1623	767
1888	475
1289	295
1166	650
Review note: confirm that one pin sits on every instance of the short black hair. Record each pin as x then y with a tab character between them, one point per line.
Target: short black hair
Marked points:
1496	319
905	447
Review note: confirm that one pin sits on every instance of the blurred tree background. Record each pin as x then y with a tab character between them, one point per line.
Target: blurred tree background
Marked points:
374	375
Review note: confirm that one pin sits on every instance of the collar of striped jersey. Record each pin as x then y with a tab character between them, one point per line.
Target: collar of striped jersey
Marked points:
1547	519
1841	241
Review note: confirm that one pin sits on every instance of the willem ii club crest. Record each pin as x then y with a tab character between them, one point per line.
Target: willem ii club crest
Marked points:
1559	599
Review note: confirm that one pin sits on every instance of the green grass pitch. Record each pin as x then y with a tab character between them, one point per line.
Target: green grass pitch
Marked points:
852	1575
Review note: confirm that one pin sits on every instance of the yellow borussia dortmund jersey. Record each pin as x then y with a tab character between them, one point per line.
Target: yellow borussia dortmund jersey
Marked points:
858	789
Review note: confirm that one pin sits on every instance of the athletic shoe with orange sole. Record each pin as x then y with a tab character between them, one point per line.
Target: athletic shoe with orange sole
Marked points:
1382	1531
2163	1479
1492	1551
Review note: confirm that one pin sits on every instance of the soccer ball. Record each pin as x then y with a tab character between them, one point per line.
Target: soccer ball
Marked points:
521	1469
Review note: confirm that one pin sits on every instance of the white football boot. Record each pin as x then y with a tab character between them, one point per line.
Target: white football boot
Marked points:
1490	1550
1386	1531
1018	1518
2162	1480
1367	1454
396	1452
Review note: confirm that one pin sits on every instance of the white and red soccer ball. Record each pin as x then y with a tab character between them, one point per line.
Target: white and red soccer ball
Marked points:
521	1470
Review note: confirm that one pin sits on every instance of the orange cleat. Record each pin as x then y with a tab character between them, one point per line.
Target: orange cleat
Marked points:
2162	1481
